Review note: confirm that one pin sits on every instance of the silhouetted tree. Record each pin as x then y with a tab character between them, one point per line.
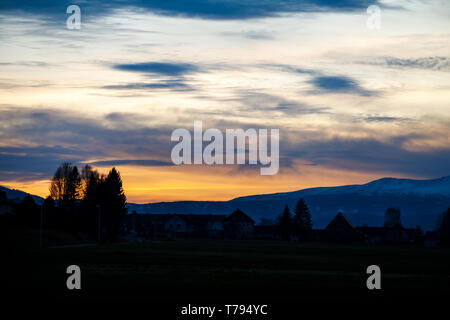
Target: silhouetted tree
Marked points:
28	212
2	195
94	196
90	179
49	204
114	205
51	217
285	221
65	186
302	220
97	192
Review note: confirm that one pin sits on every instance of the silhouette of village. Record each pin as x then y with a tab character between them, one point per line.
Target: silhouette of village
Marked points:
239	226
95	204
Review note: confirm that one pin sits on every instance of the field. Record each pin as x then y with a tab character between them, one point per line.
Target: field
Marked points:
189	270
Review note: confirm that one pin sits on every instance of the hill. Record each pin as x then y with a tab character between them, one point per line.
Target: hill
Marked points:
420	201
18	195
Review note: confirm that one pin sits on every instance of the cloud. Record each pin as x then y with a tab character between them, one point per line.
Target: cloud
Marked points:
372	155
147	163
175	85
259	102
59	136
250	34
323	82
338	84
385	119
200	9
173	72
40	140
27	64
160	68
430	63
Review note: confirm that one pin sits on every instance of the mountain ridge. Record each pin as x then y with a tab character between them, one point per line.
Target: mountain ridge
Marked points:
421	201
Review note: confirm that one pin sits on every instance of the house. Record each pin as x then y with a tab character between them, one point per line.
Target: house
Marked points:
238	225
340	229
170	226
393	232
205	225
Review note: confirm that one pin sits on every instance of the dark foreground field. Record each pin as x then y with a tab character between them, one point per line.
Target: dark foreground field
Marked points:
188	270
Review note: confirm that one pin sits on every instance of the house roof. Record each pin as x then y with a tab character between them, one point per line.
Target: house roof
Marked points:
239	216
339	221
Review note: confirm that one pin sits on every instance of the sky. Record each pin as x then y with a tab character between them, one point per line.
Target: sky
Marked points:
352	103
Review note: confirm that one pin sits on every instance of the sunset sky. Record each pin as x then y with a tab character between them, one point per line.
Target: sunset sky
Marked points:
352	104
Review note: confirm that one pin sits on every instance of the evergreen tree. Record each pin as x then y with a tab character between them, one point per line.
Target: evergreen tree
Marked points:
114	205
94	196
302	219
285	221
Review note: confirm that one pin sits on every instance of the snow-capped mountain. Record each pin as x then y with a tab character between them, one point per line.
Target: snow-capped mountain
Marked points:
420	202
439	186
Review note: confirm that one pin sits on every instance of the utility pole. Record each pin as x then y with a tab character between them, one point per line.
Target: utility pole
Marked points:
42	227
99	223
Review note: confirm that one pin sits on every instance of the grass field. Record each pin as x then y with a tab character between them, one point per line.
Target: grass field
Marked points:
213	270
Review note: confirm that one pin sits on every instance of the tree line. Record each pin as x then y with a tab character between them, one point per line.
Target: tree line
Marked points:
86	201
298	225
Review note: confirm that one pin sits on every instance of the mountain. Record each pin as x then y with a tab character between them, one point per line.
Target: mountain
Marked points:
420	201
18	195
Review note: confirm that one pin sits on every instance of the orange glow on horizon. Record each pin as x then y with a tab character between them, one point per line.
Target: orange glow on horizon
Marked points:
214	183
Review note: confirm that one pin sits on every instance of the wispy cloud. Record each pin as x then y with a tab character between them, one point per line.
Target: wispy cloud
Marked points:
250	34
176	85
385	119
146	163
58	136
170	75
430	63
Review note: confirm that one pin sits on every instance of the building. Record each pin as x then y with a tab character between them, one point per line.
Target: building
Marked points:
169	226
238	225
393	232
341	230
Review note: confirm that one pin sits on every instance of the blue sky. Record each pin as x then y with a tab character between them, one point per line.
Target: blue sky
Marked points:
352	103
